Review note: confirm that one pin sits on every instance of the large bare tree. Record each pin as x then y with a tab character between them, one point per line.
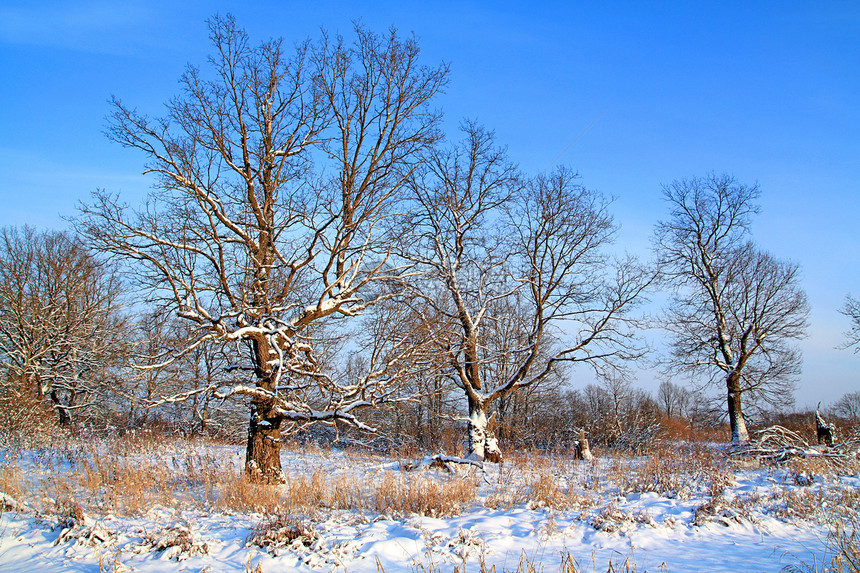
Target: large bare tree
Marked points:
736	309
61	325
509	267
276	175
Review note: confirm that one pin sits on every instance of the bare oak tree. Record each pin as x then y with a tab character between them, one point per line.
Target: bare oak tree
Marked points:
275	178
60	321
509	267
736	309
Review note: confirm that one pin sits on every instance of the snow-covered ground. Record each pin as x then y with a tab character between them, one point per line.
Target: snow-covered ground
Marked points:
675	514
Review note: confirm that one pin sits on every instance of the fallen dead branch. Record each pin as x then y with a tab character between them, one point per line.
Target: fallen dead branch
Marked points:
442	462
777	445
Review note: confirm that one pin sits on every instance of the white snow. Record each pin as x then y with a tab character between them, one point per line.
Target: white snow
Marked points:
753	530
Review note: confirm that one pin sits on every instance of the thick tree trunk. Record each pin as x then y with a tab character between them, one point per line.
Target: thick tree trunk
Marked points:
736	413
62	410
483	444
263	453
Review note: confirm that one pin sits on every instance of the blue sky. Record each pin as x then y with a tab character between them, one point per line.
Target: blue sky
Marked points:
631	95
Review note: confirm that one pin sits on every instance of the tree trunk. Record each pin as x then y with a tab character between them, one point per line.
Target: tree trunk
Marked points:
736	414
482	442
203	417
62	410
263	454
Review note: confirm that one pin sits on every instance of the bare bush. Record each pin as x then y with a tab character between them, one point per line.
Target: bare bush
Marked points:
61	326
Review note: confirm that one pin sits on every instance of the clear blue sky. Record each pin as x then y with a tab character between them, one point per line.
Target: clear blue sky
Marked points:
631	95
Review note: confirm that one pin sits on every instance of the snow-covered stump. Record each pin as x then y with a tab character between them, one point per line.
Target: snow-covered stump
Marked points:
581	450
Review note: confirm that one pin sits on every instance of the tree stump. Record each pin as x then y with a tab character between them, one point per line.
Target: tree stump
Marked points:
823	431
581	451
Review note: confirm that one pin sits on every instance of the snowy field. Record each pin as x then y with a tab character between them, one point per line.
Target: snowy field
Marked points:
182	507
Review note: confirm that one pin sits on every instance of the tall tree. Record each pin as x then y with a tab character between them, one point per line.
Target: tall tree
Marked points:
507	266
275	178
61	326
736	310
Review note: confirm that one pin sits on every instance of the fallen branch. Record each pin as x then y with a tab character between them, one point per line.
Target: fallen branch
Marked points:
777	445
442	462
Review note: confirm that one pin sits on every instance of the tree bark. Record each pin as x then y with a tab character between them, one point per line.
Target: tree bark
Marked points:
483	445
263	453
62	411
736	414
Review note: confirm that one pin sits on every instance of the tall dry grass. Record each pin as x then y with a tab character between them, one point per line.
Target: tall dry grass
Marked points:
131	478
681	471
423	495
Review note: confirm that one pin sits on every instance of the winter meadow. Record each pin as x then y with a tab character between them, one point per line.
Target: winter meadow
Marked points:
339	335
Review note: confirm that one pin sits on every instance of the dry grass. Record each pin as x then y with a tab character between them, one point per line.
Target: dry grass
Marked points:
11	481
693	471
844	543
241	495
843	546
110	482
395	494
131	480
543	489
422	495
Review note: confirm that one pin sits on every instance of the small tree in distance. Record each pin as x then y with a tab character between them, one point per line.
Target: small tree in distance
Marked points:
736	309
851	309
